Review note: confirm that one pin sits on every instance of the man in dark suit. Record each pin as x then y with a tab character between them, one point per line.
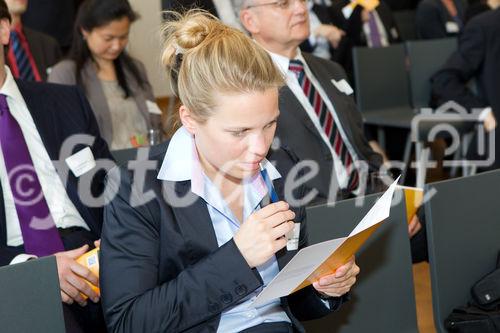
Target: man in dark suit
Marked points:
31	53
476	58
315	122
50	185
439	18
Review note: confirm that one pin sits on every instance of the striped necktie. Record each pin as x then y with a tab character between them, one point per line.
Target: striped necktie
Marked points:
22	60
327	123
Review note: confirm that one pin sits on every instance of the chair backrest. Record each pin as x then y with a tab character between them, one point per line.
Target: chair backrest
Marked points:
381	78
122	156
463	233
31	300
383	298
406	23
425	58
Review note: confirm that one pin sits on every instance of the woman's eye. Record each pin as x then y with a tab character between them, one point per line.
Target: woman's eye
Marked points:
238	133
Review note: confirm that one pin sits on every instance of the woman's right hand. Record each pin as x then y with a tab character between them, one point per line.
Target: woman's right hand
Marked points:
263	233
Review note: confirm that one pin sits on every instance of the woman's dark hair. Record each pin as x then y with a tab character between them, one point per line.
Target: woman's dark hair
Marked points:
4	11
94	14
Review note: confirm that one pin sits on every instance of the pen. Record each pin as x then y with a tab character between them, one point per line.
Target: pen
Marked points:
269	184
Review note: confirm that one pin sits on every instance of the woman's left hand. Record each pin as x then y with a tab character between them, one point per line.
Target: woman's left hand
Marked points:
340	282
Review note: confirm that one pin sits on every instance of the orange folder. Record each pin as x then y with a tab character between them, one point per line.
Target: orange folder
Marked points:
414	198
338	258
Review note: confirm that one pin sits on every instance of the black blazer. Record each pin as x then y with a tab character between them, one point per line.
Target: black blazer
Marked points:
431	18
477	58
296	130
60	112
161	267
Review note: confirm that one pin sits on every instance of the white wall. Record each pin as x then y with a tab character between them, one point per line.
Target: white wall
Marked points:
145	45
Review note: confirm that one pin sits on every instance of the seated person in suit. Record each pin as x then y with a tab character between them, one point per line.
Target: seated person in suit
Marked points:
41	210
476	58
195	253
376	28
439	18
31	53
115	84
319	119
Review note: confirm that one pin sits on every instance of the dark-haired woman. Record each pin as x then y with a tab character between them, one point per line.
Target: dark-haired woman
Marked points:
114	83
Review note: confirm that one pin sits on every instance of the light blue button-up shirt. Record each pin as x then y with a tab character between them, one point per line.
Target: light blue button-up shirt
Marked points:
181	163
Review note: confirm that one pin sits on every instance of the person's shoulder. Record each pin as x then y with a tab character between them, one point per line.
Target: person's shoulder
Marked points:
45	88
332	67
41	36
489	20
66	65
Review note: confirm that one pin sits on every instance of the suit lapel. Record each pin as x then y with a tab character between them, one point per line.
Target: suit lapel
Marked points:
338	99
194	220
46	122
292	106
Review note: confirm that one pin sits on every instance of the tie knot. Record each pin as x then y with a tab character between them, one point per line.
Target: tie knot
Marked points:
296	66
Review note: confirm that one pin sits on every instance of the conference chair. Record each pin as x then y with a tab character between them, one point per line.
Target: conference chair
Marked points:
382	300
382	91
425	58
463	228
30	297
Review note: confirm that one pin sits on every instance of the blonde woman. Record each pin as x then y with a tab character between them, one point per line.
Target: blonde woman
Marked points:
188	245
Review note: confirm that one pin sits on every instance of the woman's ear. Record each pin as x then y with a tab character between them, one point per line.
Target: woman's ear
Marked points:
4	32
84	33
187	120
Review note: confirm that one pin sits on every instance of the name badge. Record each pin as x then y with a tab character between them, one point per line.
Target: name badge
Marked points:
293	238
81	162
343	86
452	27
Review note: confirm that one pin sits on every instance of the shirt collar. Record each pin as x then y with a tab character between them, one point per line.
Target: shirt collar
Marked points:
10	88
181	161
284	62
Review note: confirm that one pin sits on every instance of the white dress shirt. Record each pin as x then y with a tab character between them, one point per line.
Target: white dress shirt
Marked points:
61	208
293	83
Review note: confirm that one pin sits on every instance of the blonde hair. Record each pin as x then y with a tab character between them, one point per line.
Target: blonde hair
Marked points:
205	57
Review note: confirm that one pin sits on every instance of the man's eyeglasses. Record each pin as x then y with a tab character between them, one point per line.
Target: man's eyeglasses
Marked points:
282	4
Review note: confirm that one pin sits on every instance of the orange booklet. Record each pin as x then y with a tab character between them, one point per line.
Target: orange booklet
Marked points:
91	261
318	260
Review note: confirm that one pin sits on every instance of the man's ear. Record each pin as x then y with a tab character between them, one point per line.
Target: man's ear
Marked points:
4	31
250	21
187	119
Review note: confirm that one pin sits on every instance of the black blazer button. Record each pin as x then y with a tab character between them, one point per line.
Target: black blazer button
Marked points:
213	307
226	298
240	290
